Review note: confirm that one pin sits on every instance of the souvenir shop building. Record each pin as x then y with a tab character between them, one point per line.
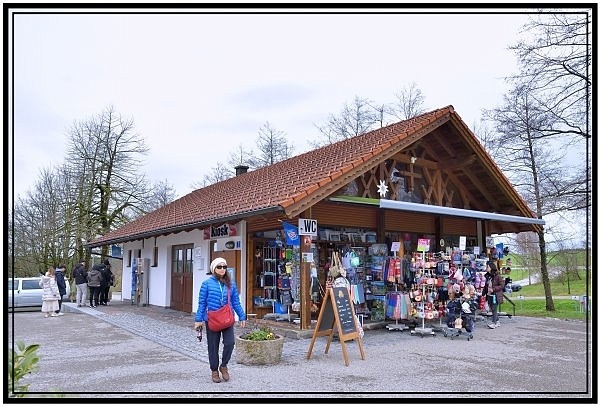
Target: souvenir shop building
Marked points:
423	179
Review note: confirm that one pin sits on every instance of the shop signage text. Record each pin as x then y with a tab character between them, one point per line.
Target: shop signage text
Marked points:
307	227
223	231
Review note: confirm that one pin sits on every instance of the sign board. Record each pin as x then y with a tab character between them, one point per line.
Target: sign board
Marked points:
337	313
462	242
423	244
223	231
229	244
395	246
307	227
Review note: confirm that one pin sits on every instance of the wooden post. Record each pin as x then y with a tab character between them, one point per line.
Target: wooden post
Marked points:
305	299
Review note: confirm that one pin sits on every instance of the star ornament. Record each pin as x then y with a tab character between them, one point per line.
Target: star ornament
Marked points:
382	189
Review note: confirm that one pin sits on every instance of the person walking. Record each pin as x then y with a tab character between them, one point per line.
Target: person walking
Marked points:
107	277
80	275
495	289
94	282
214	293
62	287
50	294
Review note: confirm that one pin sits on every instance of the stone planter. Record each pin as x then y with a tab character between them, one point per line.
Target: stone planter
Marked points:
266	352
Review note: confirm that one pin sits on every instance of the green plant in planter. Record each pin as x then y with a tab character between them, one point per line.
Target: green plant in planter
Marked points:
259	334
258	347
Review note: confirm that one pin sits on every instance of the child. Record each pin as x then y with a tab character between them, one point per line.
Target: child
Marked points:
51	294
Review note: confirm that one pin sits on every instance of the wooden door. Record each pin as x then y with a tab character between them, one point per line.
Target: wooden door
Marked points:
182	278
233	258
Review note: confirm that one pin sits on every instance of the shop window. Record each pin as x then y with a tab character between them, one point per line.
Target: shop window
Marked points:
182	259
155	257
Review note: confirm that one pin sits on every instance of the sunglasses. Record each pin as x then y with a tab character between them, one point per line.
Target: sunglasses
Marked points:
221	267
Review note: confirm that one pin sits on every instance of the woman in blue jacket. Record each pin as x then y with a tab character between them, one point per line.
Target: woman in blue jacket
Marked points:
213	295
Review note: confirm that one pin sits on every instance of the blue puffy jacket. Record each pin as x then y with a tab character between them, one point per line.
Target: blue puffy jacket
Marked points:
213	295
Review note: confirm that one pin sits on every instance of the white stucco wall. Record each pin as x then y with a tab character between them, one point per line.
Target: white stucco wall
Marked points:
159	278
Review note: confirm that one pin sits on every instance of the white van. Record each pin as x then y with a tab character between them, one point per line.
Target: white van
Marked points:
25	291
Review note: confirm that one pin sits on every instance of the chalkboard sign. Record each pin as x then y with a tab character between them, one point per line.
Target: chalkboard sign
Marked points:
344	309
326	316
337	312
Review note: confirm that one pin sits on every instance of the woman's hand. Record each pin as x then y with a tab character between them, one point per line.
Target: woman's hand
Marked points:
242	323
198	324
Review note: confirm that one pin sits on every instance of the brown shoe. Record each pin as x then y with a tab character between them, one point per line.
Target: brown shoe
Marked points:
215	377
225	373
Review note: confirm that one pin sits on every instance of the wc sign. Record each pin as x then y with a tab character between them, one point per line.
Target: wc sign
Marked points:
307	227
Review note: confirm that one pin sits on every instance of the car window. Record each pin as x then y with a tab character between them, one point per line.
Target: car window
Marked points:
12	284
31	284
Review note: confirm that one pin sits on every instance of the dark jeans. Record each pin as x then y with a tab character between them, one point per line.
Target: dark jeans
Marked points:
213	339
59	305
104	294
94	295
493	308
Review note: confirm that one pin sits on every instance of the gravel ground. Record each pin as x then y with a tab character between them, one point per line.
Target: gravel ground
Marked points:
123	351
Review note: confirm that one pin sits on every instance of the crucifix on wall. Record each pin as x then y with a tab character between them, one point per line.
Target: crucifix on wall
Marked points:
410	175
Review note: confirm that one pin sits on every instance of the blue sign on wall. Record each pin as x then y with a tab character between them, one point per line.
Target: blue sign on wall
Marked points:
116	251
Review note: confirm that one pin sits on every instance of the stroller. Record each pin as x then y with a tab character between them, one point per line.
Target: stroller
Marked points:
460	316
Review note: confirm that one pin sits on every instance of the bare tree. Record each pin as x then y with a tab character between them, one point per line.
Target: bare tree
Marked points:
364	115
354	119
556	64
241	156
97	189
409	102
485	135
530	160
161	193
555	60
382	112
546	111
272	147
217	173
527	245
40	231
104	155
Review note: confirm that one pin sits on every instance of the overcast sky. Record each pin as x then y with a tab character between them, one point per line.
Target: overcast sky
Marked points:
199	85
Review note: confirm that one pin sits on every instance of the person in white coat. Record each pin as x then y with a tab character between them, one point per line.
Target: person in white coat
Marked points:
51	295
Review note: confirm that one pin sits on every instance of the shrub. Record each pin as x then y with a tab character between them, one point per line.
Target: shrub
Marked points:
20	363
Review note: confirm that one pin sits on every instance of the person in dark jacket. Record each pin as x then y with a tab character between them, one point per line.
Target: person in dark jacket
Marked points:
62	287
212	296
107	276
80	275
94	282
495	289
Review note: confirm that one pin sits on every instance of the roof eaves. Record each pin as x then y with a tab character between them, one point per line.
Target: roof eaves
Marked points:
187	227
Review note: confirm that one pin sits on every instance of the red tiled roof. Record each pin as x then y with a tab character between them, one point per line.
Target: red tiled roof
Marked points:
278	187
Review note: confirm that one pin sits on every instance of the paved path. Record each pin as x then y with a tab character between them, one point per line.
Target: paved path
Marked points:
130	352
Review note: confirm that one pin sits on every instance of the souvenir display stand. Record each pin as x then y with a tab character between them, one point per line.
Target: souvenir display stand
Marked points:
397	299
423	330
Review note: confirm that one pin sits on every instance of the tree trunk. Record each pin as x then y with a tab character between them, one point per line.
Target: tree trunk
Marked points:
544	272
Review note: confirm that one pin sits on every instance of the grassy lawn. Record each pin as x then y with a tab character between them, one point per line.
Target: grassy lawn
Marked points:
533	306
565	309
